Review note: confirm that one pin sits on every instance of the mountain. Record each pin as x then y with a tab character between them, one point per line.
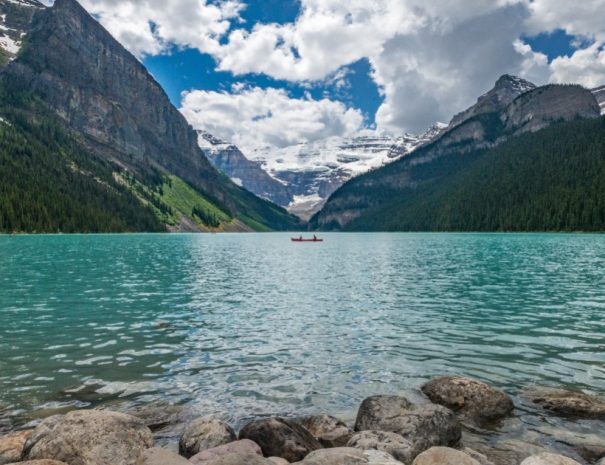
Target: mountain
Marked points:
246	173
507	89
105	99
301	177
599	94
366	201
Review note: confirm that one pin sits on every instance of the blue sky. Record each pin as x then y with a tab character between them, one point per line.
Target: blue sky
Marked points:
185	70
278	72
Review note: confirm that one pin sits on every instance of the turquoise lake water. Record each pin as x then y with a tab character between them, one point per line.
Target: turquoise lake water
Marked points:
252	324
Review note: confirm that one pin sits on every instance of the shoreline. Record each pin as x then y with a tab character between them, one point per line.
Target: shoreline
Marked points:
456	415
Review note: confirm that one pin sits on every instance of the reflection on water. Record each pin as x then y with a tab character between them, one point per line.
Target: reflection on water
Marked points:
251	324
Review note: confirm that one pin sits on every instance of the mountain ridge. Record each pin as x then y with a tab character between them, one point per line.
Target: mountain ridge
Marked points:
104	94
528	111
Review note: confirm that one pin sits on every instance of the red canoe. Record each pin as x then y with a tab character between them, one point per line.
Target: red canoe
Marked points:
300	239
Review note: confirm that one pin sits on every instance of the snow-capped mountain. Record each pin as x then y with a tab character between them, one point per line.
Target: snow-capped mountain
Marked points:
599	94
15	19
245	173
301	177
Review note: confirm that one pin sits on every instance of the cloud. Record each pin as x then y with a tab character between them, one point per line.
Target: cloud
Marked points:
254	118
150	27
430	59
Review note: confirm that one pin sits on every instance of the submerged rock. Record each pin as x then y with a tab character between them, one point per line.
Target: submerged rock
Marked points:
567	402
89	437
424	426
279	437
444	456
473	399
243	447
548	459
205	433
392	443
329	431
159	456
11	446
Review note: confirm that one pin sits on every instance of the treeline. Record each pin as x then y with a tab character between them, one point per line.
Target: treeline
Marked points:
49	183
552	180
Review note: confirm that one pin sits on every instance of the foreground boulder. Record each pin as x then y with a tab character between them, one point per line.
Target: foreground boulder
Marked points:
11	446
40	462
329	431
392	443
444	456
567	402
473	399
279	437
204	433
244	446
278	461
159	456
348	456
239	459
89	437
424	426
548	459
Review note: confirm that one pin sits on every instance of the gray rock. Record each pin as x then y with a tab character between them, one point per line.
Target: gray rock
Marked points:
329	431
424	426
601	462
242	447
11	446
279	437
159	456
548	459
336	456
478	456
278	461
239	459
474	399
378	457
567	402
444	456
89	437
392	443
39	462
204	433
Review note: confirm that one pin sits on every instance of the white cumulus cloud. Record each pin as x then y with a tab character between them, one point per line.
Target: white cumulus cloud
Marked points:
430	59
254	118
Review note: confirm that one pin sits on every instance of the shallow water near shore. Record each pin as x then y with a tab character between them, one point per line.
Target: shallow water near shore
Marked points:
252	324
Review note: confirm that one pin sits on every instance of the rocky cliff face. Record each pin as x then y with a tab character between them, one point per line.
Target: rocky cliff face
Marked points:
15	22
599	94
485	125
507	89
104	93
249	174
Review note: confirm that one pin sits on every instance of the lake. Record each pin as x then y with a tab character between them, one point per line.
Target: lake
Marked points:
250	324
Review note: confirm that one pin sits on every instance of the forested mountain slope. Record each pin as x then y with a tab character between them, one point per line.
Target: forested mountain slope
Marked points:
550	180
367	196
107	102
